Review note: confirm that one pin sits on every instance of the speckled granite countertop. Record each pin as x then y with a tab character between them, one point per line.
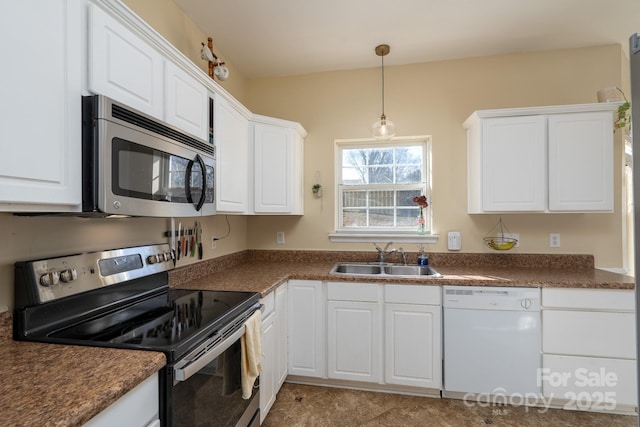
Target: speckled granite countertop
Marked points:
63	385
263	271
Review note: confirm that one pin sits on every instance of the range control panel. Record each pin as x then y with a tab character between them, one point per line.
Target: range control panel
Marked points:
69	275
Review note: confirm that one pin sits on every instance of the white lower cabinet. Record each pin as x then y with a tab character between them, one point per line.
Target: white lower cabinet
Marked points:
274	347
306	328
354	331
282	306
413	336
138	408
378	337
589	348
268	374
590	383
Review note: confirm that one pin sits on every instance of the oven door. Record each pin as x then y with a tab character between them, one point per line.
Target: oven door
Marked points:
206	388
141	174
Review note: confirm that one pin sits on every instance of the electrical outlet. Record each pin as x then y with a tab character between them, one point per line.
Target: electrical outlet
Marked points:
454	241
280	237
554	240
213	242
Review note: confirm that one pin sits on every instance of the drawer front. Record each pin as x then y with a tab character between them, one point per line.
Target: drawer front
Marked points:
590	382
269	303
413	294
582	333
596	299
346	291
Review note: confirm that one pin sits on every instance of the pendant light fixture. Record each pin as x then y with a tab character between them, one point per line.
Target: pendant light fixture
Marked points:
383	128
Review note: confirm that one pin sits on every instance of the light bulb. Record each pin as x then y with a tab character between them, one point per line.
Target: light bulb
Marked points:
383	128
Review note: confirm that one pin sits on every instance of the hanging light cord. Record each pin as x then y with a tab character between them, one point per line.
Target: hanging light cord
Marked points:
382	56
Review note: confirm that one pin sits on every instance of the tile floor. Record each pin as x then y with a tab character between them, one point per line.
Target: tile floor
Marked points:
302	405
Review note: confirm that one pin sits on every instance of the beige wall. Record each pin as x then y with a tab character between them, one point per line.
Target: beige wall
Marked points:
434	99
169	20
25	238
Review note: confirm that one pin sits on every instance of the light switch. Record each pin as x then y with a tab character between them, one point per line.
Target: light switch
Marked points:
454	241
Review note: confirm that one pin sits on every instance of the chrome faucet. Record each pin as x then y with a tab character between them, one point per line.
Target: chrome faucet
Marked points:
382	253
404	256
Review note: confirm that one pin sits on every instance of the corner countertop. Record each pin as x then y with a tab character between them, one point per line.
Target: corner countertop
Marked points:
64	385
263	276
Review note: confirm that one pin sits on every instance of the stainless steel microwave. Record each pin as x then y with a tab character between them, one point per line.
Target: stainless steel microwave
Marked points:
136	165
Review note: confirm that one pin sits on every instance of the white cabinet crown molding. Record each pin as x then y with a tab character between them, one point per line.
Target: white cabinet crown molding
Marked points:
531	111
258	118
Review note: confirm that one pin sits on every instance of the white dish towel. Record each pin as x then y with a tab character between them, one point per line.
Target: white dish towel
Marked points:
251	343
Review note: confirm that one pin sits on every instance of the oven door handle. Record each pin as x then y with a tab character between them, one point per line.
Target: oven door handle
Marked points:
183	374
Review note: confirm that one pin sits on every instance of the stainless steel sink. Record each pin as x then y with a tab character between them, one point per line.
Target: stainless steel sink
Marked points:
409	270
356	268
383	269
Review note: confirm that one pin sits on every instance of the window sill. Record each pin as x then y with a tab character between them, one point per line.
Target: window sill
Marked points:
355	237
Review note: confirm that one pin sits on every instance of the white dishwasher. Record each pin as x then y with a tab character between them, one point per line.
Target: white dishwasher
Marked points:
492	340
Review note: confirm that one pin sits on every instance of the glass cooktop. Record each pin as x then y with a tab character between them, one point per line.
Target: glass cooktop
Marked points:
163	321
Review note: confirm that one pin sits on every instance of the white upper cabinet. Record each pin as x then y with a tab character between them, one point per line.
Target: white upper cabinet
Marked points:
40	136
123	66
514	164
102	47
231	130
541	159
581	162
278	166
186	101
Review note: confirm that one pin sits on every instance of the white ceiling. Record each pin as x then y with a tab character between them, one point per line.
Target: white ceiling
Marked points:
264	38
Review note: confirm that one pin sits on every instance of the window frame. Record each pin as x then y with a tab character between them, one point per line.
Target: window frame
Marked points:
367	233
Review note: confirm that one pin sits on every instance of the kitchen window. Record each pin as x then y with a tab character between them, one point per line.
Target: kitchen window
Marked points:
376	184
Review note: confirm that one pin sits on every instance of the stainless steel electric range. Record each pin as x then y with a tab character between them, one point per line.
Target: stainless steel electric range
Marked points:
121	298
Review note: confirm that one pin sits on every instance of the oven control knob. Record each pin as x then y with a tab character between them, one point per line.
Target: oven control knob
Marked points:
69	275
49	279
152	259
168	256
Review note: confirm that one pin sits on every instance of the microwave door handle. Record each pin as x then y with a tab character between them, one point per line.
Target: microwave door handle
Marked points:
204	182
